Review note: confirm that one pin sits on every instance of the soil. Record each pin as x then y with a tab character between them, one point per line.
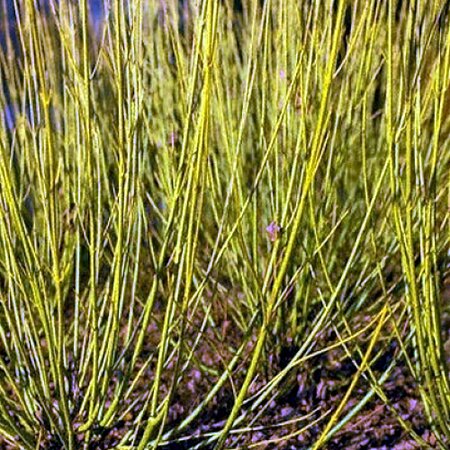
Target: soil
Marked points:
313	390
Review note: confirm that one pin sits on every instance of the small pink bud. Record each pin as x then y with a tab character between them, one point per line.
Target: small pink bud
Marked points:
273	230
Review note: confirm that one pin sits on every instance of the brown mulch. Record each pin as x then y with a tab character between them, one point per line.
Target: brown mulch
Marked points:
315	388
